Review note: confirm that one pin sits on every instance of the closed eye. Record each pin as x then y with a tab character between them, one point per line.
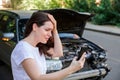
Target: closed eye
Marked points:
48	29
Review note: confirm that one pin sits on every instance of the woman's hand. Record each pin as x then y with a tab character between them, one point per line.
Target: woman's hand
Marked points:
77	65
57	49
53	21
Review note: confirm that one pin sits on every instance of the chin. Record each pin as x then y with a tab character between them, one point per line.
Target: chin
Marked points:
44	42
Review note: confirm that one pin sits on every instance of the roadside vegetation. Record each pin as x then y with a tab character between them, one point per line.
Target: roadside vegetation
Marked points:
107	12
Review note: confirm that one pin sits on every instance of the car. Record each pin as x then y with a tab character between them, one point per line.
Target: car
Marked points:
71	25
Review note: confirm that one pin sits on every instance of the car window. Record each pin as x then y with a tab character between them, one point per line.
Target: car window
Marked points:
21	29
7	25
3	23
1	16
0	21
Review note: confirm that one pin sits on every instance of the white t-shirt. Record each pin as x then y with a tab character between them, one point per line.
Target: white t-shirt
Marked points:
22	51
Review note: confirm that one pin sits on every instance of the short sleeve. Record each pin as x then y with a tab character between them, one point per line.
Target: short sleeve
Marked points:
20	54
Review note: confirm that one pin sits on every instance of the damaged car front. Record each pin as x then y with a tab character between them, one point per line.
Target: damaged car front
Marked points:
71	25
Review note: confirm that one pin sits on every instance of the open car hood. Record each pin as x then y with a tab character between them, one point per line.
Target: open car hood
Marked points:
69	21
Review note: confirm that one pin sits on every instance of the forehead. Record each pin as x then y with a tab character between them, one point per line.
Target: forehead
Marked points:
48	24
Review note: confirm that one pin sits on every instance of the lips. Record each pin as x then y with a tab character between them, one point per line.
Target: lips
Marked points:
47	39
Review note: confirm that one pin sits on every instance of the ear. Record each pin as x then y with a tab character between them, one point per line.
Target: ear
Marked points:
34	26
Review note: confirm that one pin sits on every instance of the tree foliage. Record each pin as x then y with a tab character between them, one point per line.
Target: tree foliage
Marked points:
15	3
108	12
79	5
37	4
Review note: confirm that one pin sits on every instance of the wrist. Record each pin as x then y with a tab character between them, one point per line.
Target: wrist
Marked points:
71	69
75	66
55	32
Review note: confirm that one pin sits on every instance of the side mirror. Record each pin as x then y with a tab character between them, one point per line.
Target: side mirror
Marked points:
7	36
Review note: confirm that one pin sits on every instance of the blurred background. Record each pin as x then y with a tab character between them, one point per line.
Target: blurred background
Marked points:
107	12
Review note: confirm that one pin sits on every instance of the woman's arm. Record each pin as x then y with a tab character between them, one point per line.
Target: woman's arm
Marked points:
57	51
33	71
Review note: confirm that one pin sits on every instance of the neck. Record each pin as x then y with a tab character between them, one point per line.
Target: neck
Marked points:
31	40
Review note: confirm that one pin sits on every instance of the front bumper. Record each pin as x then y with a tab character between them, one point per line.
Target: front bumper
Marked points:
87	74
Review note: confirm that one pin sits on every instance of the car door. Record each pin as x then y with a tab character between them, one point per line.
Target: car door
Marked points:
7	37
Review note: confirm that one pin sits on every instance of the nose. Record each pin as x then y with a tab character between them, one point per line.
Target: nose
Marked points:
50	34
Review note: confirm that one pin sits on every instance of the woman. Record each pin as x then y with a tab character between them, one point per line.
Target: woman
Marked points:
28	57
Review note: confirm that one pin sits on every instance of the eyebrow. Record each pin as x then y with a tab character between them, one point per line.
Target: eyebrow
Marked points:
49	28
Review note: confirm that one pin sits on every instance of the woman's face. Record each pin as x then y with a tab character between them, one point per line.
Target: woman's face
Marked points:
44	32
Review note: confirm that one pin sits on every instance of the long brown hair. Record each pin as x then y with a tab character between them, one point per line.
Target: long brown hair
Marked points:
43	48
39	18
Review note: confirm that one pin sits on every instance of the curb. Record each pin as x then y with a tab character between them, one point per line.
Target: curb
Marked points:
112	30
111	33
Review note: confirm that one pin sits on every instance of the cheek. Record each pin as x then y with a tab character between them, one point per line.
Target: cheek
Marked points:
42	38
42	34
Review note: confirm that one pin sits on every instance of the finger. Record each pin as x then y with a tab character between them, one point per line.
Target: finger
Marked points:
51	18
75	58
83	62
83	56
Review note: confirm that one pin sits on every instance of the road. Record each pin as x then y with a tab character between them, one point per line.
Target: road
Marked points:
112	44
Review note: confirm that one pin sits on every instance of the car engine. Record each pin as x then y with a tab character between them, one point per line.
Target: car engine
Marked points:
95	55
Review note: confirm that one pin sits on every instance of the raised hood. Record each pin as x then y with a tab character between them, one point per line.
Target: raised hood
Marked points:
70	21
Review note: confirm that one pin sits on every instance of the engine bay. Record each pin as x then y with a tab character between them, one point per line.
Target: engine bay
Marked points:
95	55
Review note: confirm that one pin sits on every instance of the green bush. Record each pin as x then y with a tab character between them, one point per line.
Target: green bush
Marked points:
78	5
116	5
99	19
106	13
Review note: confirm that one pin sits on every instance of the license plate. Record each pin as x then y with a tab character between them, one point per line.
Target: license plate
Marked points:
54	65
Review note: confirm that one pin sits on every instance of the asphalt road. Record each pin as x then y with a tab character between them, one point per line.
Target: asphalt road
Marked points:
112	44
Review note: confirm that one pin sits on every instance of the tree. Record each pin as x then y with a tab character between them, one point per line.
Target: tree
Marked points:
15	4
78	5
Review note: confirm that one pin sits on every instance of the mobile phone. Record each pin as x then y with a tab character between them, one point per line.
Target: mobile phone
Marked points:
82	50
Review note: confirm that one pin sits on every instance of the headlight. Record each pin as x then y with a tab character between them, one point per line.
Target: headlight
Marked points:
54	65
